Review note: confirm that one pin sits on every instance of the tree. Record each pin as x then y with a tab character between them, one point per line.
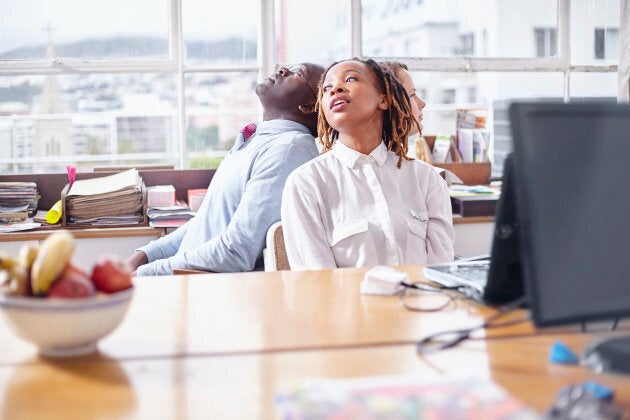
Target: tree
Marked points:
93	145
125	146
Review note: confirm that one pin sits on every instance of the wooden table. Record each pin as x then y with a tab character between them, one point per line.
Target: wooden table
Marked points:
223	345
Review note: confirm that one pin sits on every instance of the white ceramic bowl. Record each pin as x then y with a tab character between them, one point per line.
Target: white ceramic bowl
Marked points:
65	327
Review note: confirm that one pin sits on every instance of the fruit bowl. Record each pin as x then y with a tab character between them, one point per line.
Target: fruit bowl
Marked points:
65	327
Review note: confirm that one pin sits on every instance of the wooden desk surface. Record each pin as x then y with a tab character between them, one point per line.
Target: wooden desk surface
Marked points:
248	312
245	386
223	345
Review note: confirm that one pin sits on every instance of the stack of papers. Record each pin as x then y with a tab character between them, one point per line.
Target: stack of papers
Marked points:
169	216
110	200
472	190
19	198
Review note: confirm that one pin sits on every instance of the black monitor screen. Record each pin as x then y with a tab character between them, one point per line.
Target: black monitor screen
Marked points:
572	164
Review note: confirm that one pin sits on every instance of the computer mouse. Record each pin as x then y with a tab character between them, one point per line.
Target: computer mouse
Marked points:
610	355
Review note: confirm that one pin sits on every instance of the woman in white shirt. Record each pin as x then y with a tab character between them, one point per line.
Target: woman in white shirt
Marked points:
363	202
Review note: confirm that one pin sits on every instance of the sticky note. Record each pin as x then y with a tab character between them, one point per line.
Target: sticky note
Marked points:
562	354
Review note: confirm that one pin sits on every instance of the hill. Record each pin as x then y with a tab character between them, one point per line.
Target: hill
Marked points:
120	47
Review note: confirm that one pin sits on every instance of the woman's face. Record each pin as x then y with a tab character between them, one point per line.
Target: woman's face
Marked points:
417	104
351	98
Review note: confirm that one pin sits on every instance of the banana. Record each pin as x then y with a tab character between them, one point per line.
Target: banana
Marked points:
7	262
13	276
53	256
27	254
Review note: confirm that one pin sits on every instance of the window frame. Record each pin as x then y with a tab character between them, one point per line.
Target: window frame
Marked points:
561	63
267	57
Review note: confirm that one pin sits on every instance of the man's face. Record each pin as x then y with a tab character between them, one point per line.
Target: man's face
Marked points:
289	87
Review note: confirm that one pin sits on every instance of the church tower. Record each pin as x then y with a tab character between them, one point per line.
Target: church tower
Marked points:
53	127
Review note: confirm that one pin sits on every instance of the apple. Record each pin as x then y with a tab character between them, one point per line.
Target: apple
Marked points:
111	274
72	283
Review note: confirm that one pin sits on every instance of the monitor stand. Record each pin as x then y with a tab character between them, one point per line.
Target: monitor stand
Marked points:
611	355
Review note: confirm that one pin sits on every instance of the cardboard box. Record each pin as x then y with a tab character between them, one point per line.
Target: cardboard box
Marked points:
478	205
471	173
195	198
161	196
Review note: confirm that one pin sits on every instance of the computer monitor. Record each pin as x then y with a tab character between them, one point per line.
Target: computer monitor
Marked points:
505	282
571	167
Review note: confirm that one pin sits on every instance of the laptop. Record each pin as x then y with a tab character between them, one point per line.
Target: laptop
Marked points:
493	279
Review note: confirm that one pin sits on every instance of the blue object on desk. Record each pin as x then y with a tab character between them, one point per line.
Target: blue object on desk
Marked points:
588	400
599	391
562	354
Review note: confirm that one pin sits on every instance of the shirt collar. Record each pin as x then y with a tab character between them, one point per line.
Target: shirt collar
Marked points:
270	127
276	126
351	157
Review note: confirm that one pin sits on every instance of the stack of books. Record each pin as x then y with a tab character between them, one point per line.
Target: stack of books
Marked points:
116	199
471	118
169	216
473	139
18	201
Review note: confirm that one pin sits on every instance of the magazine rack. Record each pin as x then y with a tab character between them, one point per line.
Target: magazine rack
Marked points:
471	173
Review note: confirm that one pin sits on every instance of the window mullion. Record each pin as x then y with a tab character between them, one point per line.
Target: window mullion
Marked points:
267	54
564	44
623	91
176	49
356	28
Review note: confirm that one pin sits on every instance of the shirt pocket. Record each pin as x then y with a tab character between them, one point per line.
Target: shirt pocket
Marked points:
416	252
418	223
347	230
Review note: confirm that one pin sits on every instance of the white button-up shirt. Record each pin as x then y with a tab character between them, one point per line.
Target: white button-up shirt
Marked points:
347	209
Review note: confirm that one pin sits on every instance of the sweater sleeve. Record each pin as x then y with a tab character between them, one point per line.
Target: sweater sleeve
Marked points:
238	248
165	246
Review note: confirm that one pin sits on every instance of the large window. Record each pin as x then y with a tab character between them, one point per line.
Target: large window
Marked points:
172	81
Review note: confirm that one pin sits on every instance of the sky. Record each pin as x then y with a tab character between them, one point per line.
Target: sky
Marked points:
22	21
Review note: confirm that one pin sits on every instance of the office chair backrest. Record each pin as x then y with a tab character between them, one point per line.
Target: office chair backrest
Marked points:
275	254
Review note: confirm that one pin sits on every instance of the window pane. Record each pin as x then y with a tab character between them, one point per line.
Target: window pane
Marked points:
595	32
606	44
450	28
593	85
217	107
220	32
47	122
600	37
82	29
317	31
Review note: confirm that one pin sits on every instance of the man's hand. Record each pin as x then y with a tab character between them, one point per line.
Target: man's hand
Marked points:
137	259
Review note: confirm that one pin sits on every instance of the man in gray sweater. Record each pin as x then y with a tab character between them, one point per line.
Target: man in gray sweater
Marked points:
243	198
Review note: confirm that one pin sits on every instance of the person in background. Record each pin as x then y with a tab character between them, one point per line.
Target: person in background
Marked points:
363	201
401	72
243	199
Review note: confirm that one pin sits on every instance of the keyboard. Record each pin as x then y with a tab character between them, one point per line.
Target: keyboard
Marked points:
462	273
